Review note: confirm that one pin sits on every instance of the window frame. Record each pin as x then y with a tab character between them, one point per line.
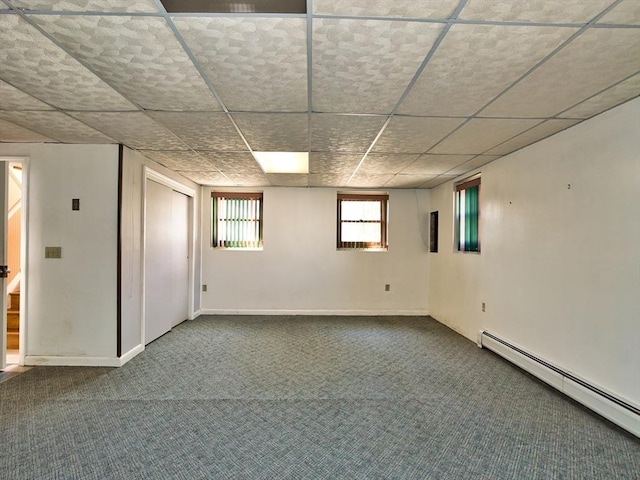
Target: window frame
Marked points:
383	245
215	196
459	245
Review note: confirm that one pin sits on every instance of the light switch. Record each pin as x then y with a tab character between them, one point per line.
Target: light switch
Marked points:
75	204
52	252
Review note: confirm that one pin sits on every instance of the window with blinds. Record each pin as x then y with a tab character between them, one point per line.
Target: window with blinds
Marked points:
362	222
468	216
237	220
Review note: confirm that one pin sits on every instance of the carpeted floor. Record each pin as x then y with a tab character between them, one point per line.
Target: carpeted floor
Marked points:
304	398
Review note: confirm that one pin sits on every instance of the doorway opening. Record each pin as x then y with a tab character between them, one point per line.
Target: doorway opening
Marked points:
14	258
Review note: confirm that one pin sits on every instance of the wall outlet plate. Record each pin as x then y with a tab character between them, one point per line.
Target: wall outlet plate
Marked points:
52	252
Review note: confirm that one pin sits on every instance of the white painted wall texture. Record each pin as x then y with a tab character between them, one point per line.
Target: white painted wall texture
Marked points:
300	270
560	263
71	301
132	206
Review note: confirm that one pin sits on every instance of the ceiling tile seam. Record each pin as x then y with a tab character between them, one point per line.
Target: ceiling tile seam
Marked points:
549	56
414	79
55	137
558	115
515	136
205	78
309	27
410	85
70	13
531	70
71	54
32	96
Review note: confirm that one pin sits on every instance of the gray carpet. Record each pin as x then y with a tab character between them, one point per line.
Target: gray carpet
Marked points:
304	398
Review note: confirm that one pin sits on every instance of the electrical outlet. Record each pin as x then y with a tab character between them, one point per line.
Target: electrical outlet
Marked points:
484	307
387	287
204	287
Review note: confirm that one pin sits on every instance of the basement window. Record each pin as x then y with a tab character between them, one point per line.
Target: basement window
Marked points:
236	220
467	235
362	222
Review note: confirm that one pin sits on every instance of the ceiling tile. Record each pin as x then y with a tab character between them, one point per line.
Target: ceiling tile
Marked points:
475	162
211	178
275	132
475	63
414	134
380	163
344	133
335	164
435	164
537	133
183	160
626	12
134	129
408	181
88	5
245	180
603	101
56	125
38	67
202	130
10	132
234	163
595	60
371	181
364	66
480	134
439	180
139	56
545	11
257	64
288	179
396	8
13	99
328	180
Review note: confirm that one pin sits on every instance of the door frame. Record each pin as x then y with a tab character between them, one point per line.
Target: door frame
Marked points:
151	174
24	263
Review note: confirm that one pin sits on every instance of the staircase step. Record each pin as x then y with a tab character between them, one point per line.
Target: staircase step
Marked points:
14	303
13	320
13	340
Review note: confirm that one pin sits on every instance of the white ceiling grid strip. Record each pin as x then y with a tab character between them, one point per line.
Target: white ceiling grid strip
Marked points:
385	94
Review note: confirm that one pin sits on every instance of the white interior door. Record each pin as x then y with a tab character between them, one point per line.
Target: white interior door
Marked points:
158	261
166	259
3	262
180	257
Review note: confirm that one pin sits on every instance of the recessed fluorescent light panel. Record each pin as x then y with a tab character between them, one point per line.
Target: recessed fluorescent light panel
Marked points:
283	162
230	6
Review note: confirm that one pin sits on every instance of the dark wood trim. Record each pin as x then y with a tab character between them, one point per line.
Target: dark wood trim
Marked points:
471	183
242	195
119	254
363	197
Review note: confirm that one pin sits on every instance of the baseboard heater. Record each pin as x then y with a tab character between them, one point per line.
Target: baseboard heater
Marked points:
618	411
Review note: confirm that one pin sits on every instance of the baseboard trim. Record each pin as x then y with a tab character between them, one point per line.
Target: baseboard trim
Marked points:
195	314
60	361
363	313
131	353
618	410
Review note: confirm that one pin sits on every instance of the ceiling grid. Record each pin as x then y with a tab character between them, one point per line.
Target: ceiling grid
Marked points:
382	95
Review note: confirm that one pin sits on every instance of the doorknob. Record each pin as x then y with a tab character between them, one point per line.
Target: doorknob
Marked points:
4	271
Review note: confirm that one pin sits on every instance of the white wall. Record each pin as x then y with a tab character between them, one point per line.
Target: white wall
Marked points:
131	233
300	270
560	267
71	302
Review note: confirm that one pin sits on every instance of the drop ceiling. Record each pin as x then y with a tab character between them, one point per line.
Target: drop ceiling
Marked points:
382	94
